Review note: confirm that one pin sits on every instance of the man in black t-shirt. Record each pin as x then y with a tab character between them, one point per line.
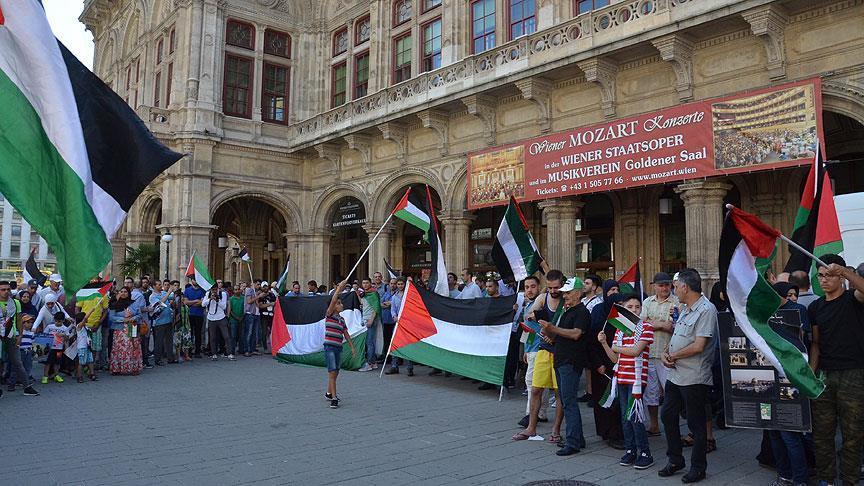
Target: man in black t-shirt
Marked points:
571	356
837	352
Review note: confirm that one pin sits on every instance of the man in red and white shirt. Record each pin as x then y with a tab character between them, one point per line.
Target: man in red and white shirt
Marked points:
630	353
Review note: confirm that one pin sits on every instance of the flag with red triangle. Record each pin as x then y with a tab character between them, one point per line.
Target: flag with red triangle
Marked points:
467	337
816	227
631	281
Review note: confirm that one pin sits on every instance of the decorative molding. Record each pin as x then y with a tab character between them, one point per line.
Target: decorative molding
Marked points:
722	39
440	122
537	90
677	50
825	10
768	23
362	143
397	133
331	152
484	108
602	72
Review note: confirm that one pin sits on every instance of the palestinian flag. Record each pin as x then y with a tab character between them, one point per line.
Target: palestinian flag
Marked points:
69	135
467	337
32	272
282	284
631	281
412	209
816	227
298	330
622	319
514	252
747	247
93	291
198	271
244	255
391	272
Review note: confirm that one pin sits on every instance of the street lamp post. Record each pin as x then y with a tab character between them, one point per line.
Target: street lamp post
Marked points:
167	238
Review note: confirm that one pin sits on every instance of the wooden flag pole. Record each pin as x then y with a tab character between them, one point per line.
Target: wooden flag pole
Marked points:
368	246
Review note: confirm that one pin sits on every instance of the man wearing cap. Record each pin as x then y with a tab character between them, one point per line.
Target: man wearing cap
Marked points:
54	287
657	310
33	290
571	357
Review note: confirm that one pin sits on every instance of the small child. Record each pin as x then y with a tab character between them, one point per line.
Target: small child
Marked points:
59	332
334	330
85	355
25	347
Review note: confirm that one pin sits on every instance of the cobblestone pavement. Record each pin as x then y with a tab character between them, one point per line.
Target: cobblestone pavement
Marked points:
262	422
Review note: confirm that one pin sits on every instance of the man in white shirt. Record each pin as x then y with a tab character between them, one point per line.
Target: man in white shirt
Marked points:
471	289
593	292
55	287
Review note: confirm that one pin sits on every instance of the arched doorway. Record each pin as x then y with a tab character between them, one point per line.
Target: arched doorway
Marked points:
346	220
844	143
255	224
414	257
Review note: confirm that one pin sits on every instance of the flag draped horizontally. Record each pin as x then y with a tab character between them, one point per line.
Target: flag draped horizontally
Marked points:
816	227
32	272
93	291
282	284
468	337
514	252
631	281
747	247
197	270
297	335
415	208
74	139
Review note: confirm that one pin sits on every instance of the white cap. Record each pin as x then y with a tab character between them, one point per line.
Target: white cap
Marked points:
50	297
265	283
574	283
55	277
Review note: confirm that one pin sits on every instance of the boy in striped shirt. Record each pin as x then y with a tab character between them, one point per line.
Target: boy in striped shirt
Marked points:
630	353
334	330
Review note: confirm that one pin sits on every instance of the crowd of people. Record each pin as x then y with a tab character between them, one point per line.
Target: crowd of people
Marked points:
738	148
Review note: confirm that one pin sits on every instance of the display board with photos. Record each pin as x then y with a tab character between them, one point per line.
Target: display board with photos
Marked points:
754	394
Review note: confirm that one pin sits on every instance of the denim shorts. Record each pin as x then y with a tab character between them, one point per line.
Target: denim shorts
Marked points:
333	357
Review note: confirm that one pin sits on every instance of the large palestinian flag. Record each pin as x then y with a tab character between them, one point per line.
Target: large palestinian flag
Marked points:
816	227
415	208
468	337
747	247
297	335
66	134
514	252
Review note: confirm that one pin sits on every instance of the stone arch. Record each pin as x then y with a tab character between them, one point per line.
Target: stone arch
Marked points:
456	196
287	208
326	203
840	97
150	213
106	59
391	189
131	32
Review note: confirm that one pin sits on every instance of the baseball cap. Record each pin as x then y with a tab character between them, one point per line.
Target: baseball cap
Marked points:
32	283
55	277
662	278
265	284
573	283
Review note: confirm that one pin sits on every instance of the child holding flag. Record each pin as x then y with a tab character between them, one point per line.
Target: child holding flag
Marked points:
629	352
334	330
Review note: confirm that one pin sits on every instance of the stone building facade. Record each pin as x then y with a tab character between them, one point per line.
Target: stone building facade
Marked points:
291	110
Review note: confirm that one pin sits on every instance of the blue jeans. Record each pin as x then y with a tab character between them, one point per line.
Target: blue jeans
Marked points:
333	357
236	328
371	335
568	390
251	324
635	437
789	455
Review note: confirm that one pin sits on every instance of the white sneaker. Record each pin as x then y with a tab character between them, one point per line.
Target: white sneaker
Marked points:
366	367
214	358
231	357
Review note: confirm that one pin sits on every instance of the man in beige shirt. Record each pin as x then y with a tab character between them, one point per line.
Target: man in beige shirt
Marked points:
657	310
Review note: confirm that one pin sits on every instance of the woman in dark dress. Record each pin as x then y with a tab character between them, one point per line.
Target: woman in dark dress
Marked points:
606	420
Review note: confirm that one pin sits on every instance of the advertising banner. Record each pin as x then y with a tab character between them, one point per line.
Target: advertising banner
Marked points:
758	130
754	394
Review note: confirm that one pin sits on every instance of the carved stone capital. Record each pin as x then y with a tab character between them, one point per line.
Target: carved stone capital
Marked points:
768	23
397	133
362	143
332	153
440	122
602	72
484	108
537	90
677	50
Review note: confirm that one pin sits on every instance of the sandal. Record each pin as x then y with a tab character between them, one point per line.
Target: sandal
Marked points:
712	446
555	439
520	436
688	441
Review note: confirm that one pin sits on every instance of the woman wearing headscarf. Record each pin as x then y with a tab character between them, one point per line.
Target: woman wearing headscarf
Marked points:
606	420
126	348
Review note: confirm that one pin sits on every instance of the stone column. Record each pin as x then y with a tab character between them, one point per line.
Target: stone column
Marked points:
118	256
703	213
560	232
380	248
310	256
457	233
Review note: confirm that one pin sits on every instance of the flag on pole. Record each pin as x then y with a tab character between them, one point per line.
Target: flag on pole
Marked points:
92	291
816	227
244	255
282	283
622	319
412	209
514	252
392	272
747	247
32	272
78	142
631	281
297	334
438	275
468	337
198	271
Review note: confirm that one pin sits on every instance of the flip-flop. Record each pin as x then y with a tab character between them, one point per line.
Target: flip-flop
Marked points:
554	438
521	436
653	434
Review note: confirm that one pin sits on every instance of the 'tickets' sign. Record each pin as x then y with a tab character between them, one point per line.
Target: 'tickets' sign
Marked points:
758	130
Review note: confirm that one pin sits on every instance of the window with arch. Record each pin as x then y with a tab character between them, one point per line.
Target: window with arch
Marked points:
240	34
401	12
595	231
523	17
482	25
277	43
159	46
172	40
362	30
340	41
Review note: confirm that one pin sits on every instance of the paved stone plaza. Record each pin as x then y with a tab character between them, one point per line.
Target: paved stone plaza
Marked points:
262	422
